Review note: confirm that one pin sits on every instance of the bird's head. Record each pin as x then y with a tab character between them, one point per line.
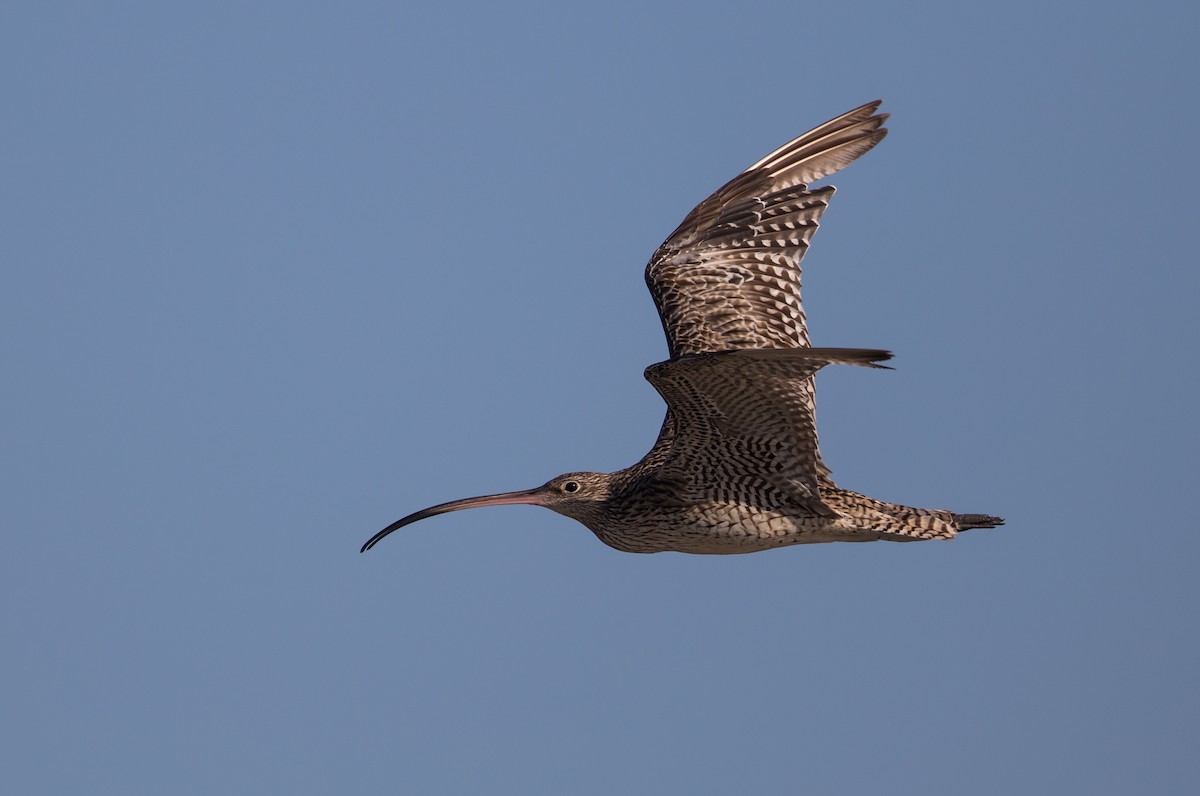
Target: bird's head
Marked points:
580	496
577	495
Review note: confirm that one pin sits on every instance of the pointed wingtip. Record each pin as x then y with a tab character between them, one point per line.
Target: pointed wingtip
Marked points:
872	106
886	355
867	357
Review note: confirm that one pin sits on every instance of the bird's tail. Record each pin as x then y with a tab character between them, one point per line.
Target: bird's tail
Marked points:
897	523
966	522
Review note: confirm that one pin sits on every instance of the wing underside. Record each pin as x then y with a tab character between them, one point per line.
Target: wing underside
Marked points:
738	427
729	277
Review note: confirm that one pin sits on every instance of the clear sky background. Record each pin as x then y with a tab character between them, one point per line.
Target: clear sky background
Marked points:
276	274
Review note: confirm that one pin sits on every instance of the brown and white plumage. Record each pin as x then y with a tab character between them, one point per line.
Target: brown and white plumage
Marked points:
729	276
737	467
739	414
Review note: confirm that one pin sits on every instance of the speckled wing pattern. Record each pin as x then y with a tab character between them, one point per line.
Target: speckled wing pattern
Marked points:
728	279
742	428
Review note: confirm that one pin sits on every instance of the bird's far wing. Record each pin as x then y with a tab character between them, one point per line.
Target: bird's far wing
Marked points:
729	276
738	427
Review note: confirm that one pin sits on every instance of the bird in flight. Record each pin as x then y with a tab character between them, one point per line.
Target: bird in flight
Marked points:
736	467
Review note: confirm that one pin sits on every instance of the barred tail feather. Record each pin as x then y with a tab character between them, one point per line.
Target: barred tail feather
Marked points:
966	522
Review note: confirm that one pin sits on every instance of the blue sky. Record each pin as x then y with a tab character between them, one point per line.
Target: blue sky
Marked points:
275	276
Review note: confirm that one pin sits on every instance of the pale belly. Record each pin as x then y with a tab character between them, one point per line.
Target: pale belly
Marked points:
730	529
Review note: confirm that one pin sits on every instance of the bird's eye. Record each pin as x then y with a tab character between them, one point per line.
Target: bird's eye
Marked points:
571	486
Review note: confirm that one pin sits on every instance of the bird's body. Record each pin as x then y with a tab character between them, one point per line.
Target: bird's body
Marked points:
640	516
736	467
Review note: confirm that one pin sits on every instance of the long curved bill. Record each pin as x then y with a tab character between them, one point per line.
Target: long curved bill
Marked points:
528	496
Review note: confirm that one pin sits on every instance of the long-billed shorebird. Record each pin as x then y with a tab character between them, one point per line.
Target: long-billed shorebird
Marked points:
736	468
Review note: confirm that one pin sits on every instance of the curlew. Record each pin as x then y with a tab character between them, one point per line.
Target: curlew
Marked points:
736	467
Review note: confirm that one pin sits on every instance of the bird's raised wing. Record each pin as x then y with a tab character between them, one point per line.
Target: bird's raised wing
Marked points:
729	277
739	430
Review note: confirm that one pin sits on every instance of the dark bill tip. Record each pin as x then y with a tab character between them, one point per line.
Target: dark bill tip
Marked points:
528	496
